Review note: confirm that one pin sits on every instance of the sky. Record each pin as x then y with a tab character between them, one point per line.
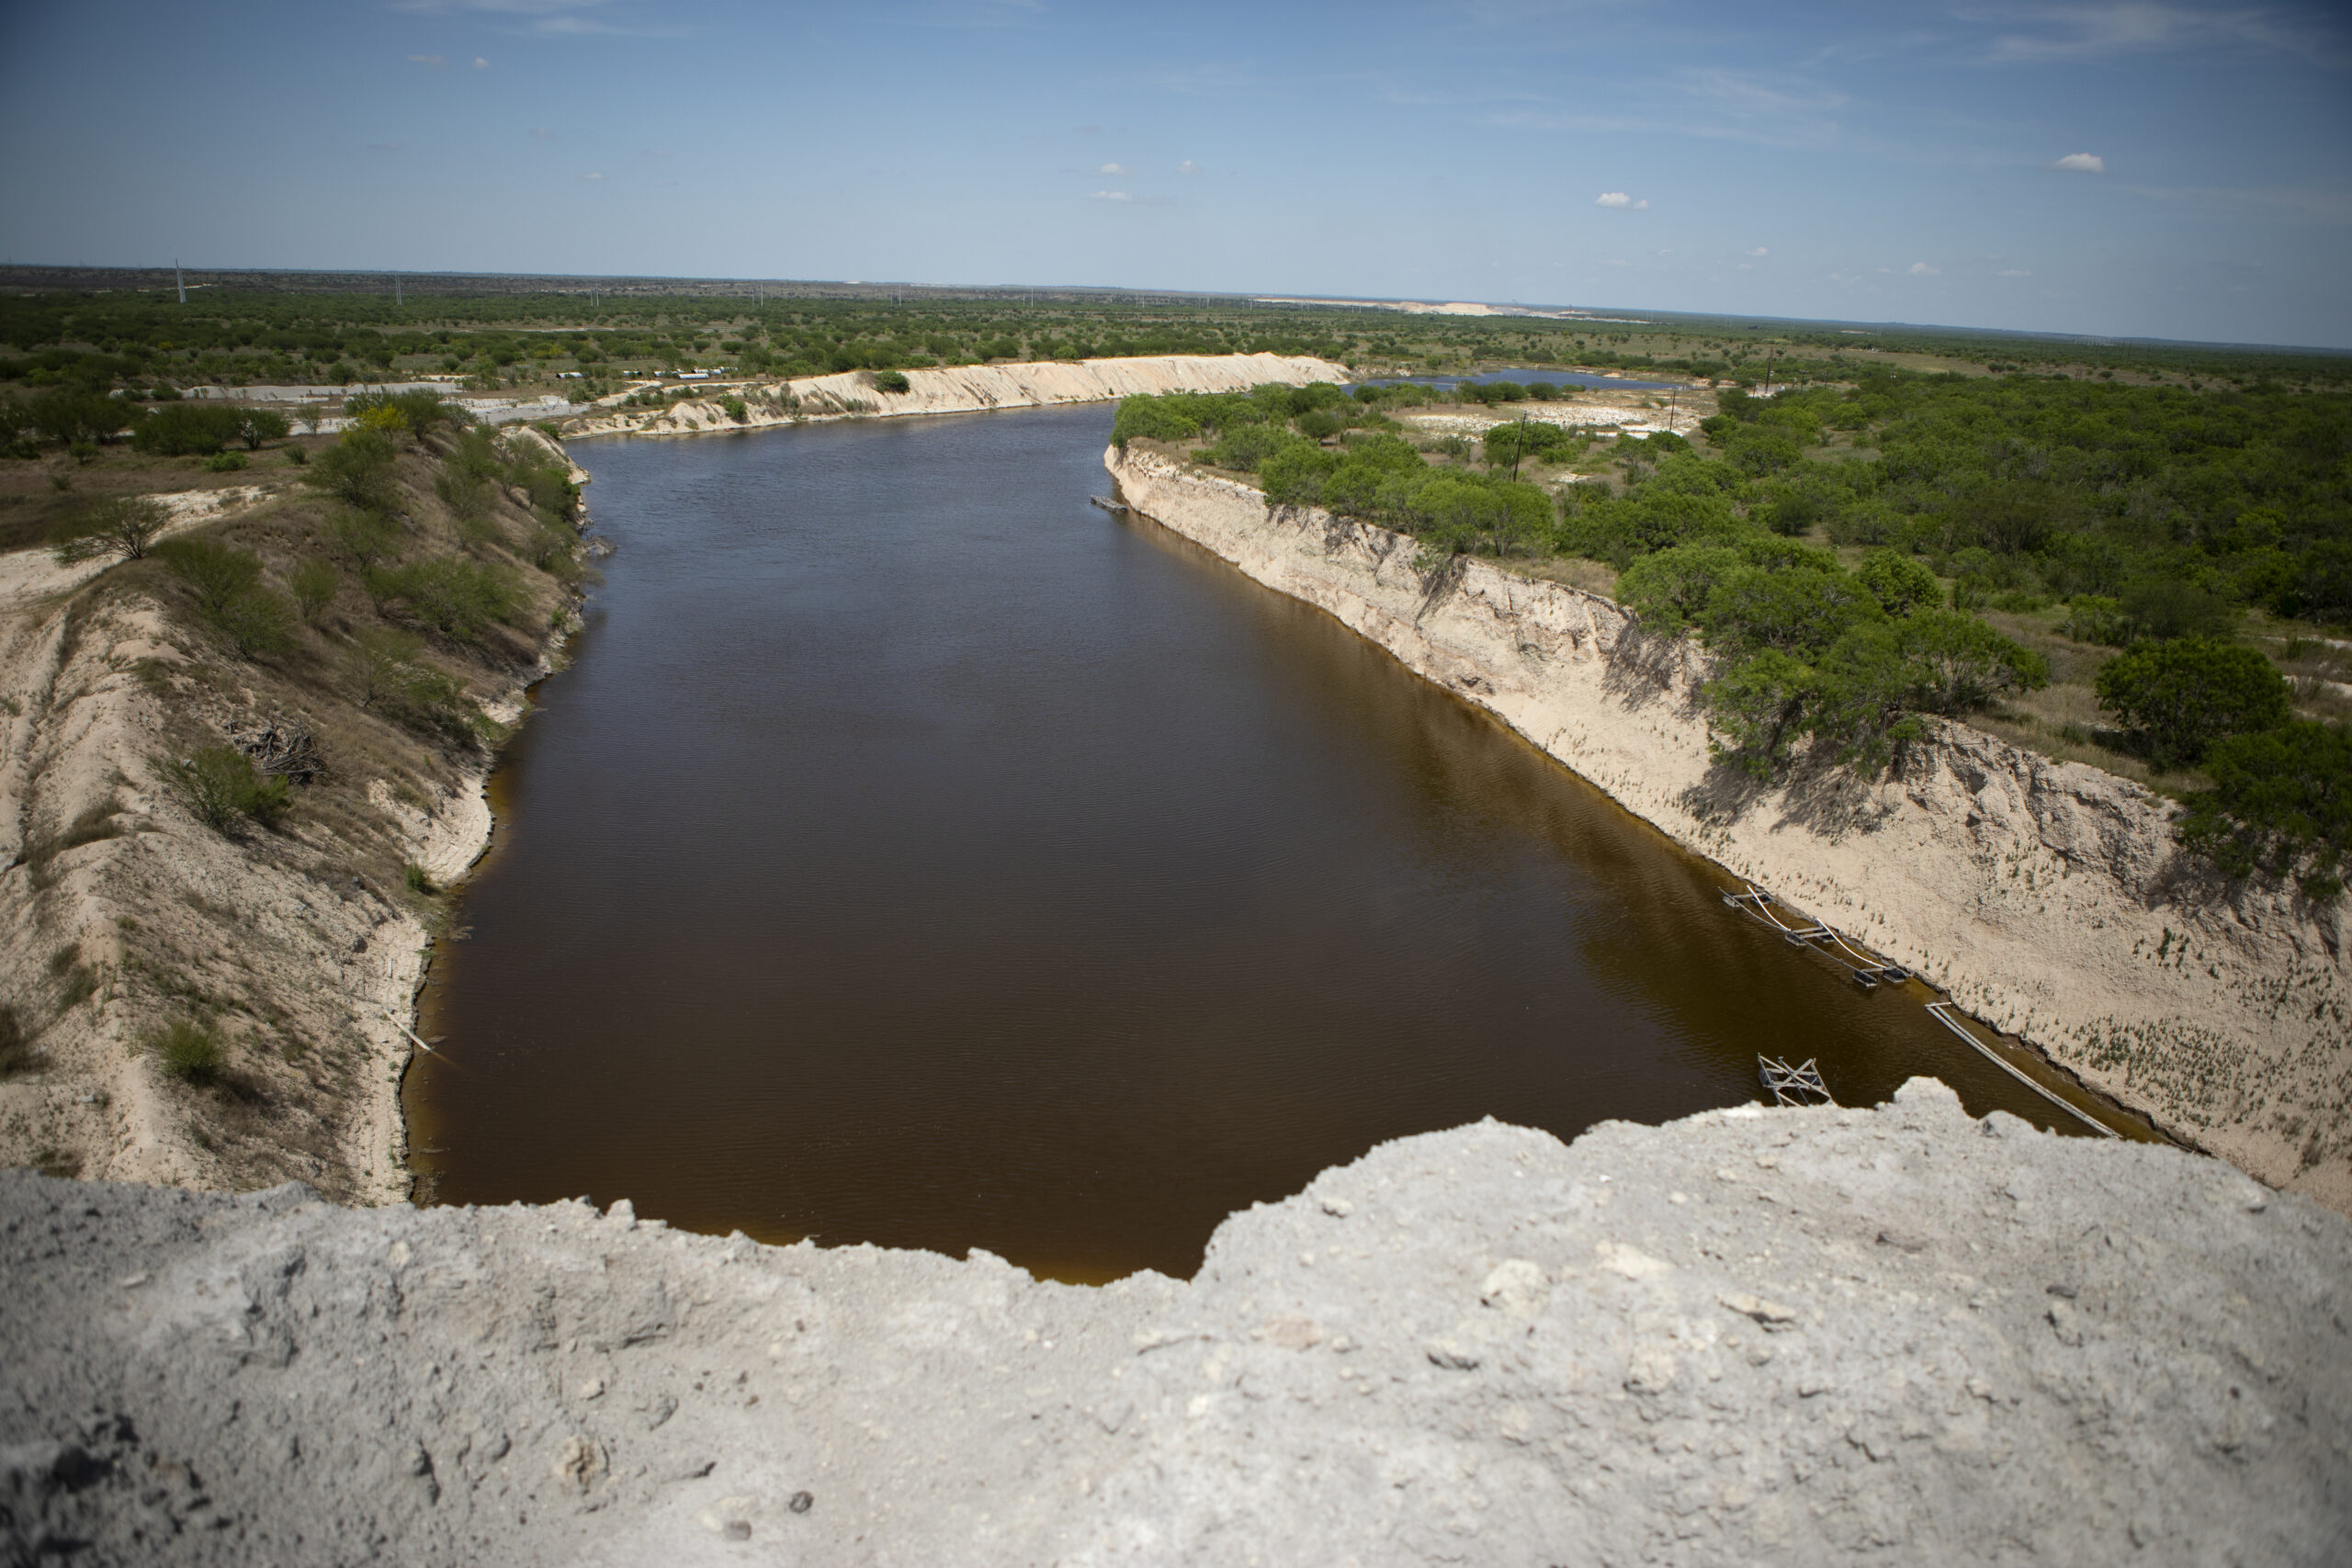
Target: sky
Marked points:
2131	169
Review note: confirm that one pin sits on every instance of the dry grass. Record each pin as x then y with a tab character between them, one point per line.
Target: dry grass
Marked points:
1592	576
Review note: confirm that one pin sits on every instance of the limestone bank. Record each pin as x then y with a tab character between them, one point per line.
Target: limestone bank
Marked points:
968	388
300	947
2048	897
1873	1336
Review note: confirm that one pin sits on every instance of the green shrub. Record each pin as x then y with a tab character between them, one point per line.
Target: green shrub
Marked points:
215	570
259	620
2092	617
226	583
117	525
224	462
468	497
365	537
220	787
740	415
420	411
418	879
67	416
459	598
2179	697
314	582
187	429
257	425
378	662
190	1051
2281	806
884	381
358	470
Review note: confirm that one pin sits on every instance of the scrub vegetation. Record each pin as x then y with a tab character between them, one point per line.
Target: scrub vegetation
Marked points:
1866	526
1860	557
310	669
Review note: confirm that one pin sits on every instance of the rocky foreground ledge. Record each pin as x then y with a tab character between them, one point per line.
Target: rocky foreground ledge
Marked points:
1893	1335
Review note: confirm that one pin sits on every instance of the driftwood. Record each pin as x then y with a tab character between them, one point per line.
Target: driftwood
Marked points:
284	749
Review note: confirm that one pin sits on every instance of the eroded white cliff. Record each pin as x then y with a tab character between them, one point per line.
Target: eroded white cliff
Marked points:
2048	897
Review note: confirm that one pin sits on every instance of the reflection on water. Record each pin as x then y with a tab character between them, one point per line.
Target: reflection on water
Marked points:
916	854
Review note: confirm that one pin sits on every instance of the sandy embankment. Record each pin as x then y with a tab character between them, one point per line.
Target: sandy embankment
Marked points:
86	703
2048	897
968	388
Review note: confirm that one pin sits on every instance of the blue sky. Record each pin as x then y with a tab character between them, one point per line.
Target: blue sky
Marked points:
2170	170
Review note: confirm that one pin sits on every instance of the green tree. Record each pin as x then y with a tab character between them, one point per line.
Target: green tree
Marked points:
358	470
2281	806
190	429
117	525
257	425
2179	697
1899	584
67	415
379	661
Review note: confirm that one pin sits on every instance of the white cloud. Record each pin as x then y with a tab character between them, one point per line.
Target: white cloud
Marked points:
1111	169
1760	251
597	176
1921	269
2016	272
2079	163
434	60
1187	167
1110	196
480	64
1618	198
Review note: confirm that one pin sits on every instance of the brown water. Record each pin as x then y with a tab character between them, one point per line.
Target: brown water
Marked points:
917	854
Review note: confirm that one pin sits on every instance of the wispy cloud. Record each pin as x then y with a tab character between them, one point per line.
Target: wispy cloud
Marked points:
1620	200
1187	167
2052	33
1110	196
552	16
1111	169
435	61
541	133
480	64
2303	205
1921	269
2078	164
1760	251
595	175
2016	272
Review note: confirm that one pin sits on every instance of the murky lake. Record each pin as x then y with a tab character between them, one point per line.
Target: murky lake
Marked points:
918	854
